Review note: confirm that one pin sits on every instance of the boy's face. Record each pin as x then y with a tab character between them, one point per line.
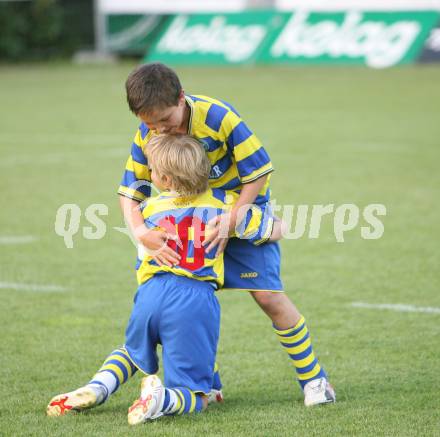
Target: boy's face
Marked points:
171	120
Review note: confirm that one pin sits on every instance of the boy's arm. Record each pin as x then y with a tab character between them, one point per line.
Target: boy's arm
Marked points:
154	240
222	226
253	166
248	194
134	188
277	230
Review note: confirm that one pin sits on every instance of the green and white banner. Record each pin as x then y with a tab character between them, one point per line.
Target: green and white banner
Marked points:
376	39
131	34
214	39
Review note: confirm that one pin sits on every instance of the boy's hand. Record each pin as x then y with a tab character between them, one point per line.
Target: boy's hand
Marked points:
217	232
155	242
224	225
278	229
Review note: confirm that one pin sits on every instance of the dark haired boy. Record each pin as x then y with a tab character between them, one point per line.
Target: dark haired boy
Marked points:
238	162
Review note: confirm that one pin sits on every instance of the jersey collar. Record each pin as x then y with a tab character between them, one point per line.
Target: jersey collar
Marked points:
192	110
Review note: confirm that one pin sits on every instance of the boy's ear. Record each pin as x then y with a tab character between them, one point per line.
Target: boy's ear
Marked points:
166	180
182	96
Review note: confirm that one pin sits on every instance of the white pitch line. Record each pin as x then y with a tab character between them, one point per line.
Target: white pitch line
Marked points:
17	239
31	287
396	307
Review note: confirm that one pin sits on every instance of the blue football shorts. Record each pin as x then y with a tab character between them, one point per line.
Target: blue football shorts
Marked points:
183	315
252	268
250	265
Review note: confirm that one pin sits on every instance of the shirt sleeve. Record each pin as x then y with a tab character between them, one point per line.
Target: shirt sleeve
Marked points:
136	180
251	157
147	208
257	225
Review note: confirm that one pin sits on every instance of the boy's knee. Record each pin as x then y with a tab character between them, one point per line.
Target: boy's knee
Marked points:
270	302
278	307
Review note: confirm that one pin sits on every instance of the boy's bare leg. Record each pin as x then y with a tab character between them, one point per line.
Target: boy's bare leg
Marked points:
278	307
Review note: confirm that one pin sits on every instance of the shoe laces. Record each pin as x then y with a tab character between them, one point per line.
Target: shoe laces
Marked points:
318	387
140	403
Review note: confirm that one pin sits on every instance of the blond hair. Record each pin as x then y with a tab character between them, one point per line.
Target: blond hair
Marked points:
183	159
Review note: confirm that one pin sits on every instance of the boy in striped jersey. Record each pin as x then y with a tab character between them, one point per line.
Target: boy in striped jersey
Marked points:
239	163
176	306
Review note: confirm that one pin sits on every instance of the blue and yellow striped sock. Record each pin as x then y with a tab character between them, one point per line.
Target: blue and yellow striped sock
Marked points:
216	381
298	345
116	370
181	401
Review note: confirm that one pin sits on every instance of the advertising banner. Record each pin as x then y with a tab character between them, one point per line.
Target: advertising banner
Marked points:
131	34
431	49
375	39
214	38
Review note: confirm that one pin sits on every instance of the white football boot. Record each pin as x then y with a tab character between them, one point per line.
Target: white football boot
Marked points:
77	400
149	405
318	391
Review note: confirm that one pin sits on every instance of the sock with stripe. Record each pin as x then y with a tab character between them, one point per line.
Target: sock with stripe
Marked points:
297	343
116	370
181	401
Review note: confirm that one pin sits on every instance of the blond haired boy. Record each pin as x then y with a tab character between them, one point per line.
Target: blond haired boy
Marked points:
176	306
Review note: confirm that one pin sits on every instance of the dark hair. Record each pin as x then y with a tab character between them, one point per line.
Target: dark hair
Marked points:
152	86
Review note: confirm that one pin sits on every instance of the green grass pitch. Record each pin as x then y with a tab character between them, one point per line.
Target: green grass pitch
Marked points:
336	135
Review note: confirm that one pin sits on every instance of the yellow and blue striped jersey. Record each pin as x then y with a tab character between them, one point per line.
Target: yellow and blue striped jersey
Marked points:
236	154
186	218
